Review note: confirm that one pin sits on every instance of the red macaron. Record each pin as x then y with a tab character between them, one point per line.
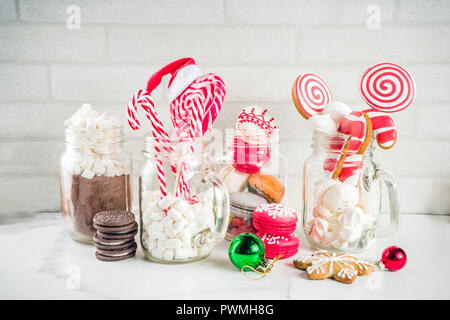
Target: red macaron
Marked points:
275	219
249	157
286	246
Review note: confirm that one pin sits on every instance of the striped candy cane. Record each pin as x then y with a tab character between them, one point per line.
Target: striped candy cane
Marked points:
143	99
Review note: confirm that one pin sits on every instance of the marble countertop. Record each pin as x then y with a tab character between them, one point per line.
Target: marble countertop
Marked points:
39	261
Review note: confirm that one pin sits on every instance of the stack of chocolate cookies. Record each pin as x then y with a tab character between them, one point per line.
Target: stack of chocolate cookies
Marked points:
114	239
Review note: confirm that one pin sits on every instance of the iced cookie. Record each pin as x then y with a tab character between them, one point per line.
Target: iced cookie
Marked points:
341	267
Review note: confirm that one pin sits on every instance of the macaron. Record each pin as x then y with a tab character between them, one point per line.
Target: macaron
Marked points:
266	186
276	245
249	157
275	219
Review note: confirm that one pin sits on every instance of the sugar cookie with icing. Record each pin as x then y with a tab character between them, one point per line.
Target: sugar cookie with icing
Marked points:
341	267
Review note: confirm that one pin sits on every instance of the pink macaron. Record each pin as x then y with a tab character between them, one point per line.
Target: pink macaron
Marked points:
286	246
274	218
249	158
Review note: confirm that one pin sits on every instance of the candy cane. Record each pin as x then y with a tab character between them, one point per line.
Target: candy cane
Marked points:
388	88
143	99
383	127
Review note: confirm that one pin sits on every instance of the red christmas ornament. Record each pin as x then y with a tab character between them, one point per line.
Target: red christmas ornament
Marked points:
393	258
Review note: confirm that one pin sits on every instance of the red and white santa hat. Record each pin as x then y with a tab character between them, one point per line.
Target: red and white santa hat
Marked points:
183	71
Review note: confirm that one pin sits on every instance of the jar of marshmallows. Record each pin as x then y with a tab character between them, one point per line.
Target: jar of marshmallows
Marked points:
343	196
95	171
184	206
253	170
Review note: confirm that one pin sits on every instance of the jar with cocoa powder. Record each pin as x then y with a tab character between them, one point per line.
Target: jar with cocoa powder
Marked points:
95	171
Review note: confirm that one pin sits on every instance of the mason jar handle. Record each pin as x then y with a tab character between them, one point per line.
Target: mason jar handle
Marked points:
221	211
394	202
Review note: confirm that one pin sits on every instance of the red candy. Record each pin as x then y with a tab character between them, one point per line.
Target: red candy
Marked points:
237	222
249	158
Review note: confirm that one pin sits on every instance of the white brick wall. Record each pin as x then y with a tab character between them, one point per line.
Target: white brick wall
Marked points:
257	46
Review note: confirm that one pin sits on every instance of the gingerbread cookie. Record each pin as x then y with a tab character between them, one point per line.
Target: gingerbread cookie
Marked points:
341	267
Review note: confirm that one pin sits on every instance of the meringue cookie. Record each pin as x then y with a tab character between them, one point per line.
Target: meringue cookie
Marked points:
322	186
318	229
340	198
337	110
323	123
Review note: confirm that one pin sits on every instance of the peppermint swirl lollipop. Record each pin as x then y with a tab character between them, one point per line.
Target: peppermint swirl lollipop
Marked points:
206	93
388	88
310	94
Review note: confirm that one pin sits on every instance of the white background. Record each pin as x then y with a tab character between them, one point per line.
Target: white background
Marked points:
258	47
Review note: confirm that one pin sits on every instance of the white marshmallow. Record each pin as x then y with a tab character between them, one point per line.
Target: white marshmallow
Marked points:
88	174
172	243
171	231
157	216
323	123
167	221
337	110
168	254
181	253
180	224
165	202
157	253
174	214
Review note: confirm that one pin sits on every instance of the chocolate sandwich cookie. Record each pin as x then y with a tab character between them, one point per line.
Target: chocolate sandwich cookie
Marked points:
119	229
117	236
117	257
111	240
114	239
116	252
113	245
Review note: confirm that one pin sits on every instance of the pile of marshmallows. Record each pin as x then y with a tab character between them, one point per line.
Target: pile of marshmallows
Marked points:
170	223
93	147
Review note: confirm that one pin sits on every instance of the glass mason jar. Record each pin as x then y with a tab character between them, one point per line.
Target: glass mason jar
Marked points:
95	176
341	212
255	172
181	226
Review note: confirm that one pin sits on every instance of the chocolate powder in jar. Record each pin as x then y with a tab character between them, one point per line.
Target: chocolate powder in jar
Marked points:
90	196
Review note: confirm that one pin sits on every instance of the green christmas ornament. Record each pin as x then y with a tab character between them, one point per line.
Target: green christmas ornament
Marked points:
247	249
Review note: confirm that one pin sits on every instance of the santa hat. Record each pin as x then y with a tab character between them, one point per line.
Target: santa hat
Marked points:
184	71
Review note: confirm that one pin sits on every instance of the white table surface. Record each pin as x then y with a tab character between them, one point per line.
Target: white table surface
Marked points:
39	261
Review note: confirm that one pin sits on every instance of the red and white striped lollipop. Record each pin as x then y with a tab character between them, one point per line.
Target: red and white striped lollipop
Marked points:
207	94
383	127
310	94
388	88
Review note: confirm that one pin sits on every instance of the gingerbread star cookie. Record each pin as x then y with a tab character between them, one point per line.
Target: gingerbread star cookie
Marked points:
341	267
